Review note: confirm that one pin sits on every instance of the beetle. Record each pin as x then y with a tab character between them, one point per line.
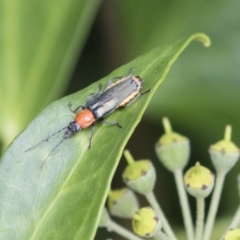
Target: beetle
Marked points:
119	94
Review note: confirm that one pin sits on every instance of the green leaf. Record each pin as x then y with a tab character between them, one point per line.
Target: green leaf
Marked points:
40	41
63	199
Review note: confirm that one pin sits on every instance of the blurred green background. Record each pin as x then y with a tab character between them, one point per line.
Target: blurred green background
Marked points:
49	49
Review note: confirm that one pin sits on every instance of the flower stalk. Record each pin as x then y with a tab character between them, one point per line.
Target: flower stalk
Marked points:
224	155
173	150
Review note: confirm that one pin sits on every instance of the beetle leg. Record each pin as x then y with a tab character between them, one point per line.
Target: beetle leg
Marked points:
112	123
130	72
75	110
100	89
91	96
148	91
110	81
90	140
115	78
136	97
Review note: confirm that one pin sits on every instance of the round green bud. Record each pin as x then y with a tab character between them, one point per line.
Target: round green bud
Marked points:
140	175
233	234
145	222
104	218
122	203
199	181
172	149
224	154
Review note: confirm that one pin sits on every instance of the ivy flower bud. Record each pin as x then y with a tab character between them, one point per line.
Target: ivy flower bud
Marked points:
224	154
139	175
122	203
172	149
104	218
145	222
233	234
199	181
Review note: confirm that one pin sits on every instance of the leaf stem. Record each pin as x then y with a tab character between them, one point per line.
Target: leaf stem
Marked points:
122	231
214	205
200	217
178	175
155	205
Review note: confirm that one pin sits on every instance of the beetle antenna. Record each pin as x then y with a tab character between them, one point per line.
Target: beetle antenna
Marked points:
52	151
46	139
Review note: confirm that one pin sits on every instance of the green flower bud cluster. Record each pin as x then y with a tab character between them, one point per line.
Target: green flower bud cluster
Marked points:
139	176
173	150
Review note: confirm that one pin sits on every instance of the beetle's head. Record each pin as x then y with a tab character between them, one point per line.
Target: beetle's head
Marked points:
72	128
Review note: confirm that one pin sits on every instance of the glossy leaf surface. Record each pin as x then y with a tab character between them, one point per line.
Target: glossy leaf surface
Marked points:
63	199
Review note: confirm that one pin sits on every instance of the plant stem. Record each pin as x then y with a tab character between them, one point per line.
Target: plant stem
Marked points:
178	175
234	223
122	231
155	205
160	236
200	218
214	205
